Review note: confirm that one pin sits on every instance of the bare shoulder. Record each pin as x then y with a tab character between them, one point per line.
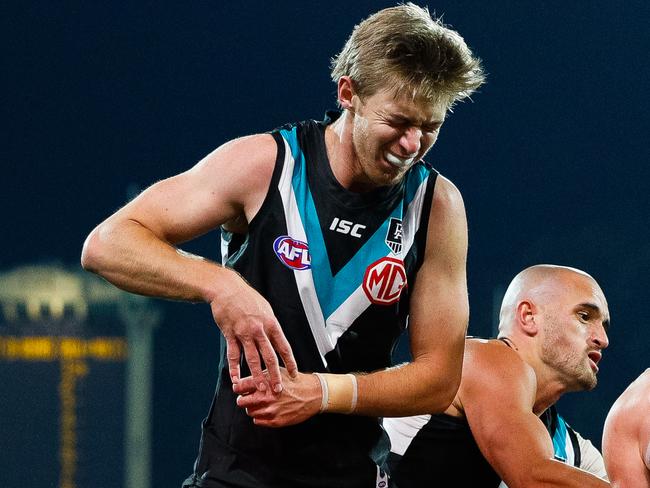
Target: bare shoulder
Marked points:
249	151
644	379
491	368
628	413
243	166
228	184
494	354
447	229
447	198
626	435
636	395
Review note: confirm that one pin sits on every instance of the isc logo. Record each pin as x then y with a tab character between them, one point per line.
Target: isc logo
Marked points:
346	227
294	254
384	280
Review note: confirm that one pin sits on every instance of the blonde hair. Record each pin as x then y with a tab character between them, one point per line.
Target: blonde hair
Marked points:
404	50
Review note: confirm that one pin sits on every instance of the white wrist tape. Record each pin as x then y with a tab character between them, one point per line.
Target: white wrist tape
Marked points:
325	391
340	392
355	393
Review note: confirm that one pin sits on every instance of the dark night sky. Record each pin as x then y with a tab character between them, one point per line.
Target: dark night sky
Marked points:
551	156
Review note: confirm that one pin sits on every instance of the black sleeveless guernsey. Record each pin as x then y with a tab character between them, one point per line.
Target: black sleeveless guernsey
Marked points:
336	267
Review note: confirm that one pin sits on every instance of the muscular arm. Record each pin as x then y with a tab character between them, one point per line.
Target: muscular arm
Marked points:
438	322
626	436
438	318
497	395
135	247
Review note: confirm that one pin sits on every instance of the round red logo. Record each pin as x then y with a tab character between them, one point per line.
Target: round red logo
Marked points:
384	280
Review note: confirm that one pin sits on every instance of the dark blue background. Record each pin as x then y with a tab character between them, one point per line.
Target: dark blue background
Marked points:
551	157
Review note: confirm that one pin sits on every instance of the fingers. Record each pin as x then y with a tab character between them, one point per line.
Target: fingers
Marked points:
254	364
265	342
253	401
261	341
233	354
269	421
259	407
282	346
245	386
272	364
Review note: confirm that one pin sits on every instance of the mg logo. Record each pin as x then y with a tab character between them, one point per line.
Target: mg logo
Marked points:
384	280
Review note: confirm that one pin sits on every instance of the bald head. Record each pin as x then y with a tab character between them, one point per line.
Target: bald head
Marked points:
557	318
539	284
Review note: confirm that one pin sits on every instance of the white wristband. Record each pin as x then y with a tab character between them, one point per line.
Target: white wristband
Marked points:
325	392
339	394
355	393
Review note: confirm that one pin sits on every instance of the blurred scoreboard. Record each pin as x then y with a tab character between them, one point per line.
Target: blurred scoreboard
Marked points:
62	410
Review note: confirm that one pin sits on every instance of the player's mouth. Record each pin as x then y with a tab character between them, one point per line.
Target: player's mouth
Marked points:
397	161
594	358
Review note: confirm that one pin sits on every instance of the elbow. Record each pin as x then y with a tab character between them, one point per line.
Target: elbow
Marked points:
93	252
446	394
446	386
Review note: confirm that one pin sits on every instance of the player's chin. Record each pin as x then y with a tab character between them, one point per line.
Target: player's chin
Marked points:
588	381
390	176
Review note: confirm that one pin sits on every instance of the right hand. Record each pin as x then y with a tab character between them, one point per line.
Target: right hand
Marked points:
299	400
247	322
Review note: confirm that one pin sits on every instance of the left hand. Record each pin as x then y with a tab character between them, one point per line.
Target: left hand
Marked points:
299	399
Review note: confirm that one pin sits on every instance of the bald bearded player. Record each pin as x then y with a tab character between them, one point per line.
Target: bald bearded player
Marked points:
552	330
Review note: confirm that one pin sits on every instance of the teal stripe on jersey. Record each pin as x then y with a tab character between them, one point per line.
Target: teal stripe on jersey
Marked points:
560	440
416	176
291	136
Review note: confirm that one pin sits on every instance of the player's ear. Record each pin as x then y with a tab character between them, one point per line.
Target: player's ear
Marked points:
346	93
527	316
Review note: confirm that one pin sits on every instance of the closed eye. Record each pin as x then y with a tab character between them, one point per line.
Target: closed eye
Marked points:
431	128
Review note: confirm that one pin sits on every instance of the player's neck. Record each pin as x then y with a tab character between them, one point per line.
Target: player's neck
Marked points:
549	388
340	151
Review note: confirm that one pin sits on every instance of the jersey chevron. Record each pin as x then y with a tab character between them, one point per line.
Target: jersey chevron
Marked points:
562	446
333	302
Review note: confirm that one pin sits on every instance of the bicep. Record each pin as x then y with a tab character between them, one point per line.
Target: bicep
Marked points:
439	306
230	182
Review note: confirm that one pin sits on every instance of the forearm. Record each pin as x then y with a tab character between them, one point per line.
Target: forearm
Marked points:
420	387
131	257
396	392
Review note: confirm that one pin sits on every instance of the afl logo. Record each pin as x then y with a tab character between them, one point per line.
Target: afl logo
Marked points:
384	280
293	254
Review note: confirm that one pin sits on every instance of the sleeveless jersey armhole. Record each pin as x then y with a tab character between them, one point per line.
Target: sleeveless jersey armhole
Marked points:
273	184
422	233
577	457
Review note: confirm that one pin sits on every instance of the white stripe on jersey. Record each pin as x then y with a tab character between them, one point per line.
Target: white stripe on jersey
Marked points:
304	278
403	430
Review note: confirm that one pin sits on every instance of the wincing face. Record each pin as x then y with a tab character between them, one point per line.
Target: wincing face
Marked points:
390	134
575	331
